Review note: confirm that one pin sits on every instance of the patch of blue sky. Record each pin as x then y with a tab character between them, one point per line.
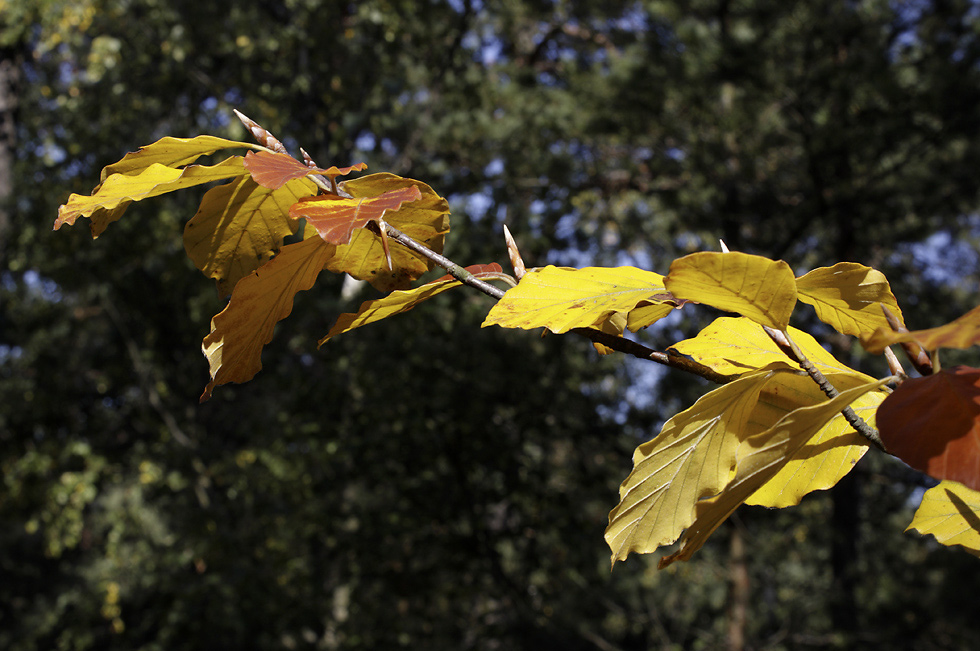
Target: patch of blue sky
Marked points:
943	260
365	142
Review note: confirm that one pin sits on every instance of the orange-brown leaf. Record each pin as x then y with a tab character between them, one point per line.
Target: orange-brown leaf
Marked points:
258	302
933	424
272	170
964	332
335	218
425	220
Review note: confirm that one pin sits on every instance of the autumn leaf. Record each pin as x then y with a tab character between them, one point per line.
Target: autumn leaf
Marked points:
170	152
562	299
611	324
240	226
398	302
648	312
848	297
272	170
731	345
951	513
964	332
933	424
829	455
761	289
258	302
691	458
758	460
425	220
119	190
335	218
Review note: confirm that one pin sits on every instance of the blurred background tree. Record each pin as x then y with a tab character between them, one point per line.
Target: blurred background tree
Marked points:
425	483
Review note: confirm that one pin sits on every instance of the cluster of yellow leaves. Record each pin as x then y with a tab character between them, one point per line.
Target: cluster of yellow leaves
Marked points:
237	235
768	438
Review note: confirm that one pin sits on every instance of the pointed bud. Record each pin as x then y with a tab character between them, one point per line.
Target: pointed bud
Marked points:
261	136
515	256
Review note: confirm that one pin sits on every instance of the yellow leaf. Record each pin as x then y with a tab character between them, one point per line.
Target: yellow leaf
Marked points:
848	296
399	301
611	324
734	345
240	226
761	289
830	454
647	312
691	458
562	299
426	220
759	459
951	513
964	332
171	152
259	301
109	201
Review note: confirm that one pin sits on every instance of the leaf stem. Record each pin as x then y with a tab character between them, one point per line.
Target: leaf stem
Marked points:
788	346
454	270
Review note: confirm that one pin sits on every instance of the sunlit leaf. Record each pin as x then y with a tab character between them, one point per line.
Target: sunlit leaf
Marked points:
951	513
829	455
848	297
964	332
562	299
259	301
759	459
240	226
426	220
933	424
691	458
272	170
647	312
171	152
611	324
401	301
119	190
733	345
761	289
335	218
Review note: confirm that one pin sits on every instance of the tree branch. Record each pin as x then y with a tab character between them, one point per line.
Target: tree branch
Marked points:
789	347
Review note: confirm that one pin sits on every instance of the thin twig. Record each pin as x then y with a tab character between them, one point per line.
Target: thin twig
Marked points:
454	270
636	349
616	342
788	346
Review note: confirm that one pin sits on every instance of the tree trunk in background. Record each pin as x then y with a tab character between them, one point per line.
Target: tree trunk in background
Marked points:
738	596
9	75
845	521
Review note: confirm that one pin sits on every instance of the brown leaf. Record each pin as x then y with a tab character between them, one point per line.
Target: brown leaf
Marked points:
933	424
272	170
335	218
425	220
